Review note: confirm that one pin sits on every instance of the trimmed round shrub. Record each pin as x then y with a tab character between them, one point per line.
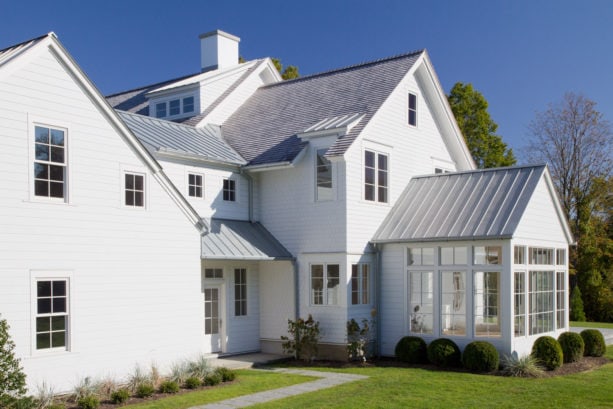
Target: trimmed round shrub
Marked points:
212	379
227	375
412	350
572	346
88	402
594	342
120	396
192	382
144	390
169	387
480	356
548	352
444	352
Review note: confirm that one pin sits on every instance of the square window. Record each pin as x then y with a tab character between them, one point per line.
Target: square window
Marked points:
160	110
188	104
174	107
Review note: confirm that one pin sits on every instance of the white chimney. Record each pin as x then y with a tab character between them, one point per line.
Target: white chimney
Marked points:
218	50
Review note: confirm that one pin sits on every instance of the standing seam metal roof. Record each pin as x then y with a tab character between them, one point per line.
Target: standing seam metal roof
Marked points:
161	135
263	130
461	206
241	240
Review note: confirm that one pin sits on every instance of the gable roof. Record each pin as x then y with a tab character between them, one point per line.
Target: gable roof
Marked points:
176	139
263	130
241	240
51	43
481	204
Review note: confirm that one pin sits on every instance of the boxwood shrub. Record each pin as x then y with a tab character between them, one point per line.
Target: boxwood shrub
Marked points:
594	342
548	352
169	387
444	352
480	356
144	390
572	346
120	396
412	350
88	402
192	382
227	375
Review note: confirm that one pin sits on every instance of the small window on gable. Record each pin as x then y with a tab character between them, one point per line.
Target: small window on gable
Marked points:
412	109
134	187
160	110
229	190
49	162
188	104
174	107
194	185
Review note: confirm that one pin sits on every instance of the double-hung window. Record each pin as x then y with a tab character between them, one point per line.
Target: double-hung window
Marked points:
49	162
375	176
240	292
52	314
360	284
325	284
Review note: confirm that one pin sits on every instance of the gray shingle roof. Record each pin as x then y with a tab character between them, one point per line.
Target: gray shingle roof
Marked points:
263	130
480	204
241	240
170	137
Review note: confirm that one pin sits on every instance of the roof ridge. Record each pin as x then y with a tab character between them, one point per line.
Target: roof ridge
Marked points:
26	42
156	84
348	68
464	172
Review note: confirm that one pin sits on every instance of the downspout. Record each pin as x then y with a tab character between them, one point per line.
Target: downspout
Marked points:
296	289
378	296
249	192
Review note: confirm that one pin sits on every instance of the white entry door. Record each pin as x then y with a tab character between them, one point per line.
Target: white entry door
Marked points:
213	319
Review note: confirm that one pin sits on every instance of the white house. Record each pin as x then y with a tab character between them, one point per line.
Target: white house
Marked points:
199	214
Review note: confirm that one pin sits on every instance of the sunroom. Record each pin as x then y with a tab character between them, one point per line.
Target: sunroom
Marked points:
478	255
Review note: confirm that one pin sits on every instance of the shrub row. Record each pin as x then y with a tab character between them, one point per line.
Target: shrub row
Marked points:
481	356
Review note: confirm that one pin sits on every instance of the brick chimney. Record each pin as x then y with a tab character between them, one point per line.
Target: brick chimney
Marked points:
218	50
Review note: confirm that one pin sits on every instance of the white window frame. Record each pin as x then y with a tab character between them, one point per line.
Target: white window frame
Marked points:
232	190
458	254
240	287
319	153
34	122
533	295
190	185
459	276
421	321
165	103
520	307
126	172
216	273
377	170
325	291
484	293
361	278
561	298
51	275
412	109
415	256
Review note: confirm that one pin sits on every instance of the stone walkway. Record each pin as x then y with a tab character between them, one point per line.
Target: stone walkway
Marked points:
328	380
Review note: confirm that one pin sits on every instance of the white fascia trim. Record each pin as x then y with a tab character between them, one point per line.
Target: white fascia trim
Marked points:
273	69
269	166
58	51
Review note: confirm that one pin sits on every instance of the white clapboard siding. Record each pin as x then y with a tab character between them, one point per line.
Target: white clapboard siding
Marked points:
135	294
277	294
393	302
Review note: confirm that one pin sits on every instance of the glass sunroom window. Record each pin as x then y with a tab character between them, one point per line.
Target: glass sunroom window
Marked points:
421	302
487	304
453	302
540	297
519	295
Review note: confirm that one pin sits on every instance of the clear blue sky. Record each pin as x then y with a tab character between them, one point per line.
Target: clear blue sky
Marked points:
522	55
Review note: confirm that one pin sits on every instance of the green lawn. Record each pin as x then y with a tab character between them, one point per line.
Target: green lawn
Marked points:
418	388
608	325
247	382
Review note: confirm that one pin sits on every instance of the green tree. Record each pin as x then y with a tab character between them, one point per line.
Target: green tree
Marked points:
576	305
12	378
469	107
290	72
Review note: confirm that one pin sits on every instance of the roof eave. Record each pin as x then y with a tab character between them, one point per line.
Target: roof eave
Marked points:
171	153
441	239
